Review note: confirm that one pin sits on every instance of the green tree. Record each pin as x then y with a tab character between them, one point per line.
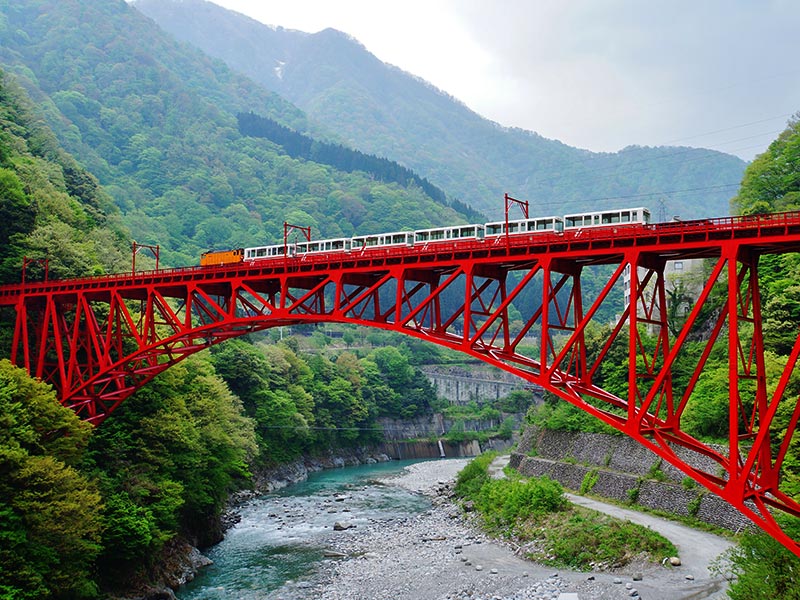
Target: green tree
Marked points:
771	182
167	459
763	568
50	524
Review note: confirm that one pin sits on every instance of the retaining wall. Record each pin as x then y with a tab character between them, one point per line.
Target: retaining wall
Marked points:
623	471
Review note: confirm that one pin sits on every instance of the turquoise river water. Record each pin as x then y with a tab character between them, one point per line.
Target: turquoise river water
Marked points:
278	546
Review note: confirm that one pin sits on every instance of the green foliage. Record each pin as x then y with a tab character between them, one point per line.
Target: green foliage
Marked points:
771	182
157	125
655	472
51	207
694	506
336	155
472	477
50	524
305	404
707	415
166	461
458	433
517	401
589	481
633	493
129	530
506	429
471	411
587	538
536	509
505	502
559	415
762	567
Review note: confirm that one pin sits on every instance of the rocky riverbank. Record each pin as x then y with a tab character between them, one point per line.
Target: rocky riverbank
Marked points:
438	555
442	555
180	559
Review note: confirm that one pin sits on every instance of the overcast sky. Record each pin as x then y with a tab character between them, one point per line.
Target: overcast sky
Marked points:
596	74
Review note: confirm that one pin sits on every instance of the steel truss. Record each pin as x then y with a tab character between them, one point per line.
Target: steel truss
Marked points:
518	304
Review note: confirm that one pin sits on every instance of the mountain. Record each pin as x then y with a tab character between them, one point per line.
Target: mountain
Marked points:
51	207
155	120
383	110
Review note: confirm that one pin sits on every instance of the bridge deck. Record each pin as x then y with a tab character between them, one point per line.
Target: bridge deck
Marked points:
764	234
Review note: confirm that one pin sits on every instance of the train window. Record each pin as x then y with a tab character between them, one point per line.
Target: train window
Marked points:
438	234
625	217
494	228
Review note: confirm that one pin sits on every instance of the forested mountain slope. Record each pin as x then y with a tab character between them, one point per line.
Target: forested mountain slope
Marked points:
49	205
383	110
155	121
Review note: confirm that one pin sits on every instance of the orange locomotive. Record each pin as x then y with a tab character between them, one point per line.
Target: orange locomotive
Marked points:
221	257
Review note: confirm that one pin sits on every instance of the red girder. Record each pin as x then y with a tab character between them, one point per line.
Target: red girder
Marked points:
517	303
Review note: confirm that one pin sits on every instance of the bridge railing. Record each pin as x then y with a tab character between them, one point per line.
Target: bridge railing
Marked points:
756	223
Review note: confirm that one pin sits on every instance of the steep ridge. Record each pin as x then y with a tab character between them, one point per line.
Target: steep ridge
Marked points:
155	121
386	111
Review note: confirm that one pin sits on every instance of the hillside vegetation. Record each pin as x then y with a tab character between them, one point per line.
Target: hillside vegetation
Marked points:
155	121
51	206
382	110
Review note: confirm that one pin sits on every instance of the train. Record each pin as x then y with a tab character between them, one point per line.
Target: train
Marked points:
639	216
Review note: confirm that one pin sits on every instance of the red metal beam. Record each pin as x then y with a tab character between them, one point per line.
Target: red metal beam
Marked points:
98	340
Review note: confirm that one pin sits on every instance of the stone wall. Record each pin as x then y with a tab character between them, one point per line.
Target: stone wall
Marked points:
404	450
436	425
622	470
480	384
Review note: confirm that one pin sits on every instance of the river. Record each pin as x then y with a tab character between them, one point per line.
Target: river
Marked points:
280	542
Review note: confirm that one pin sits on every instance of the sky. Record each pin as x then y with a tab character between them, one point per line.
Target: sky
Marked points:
595	74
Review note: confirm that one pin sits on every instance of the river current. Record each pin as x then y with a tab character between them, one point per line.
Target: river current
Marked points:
280	542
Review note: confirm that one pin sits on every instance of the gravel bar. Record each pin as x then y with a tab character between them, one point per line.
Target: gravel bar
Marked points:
440	555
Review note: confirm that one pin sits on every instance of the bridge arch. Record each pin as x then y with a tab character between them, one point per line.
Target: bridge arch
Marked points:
521	305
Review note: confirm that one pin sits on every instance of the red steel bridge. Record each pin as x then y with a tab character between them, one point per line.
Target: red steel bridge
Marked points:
524	304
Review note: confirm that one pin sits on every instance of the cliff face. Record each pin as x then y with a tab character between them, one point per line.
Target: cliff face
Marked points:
619	468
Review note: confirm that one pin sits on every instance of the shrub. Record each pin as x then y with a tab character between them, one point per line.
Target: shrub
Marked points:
587	538
694	506
589	481
472	477
506	502
762	567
